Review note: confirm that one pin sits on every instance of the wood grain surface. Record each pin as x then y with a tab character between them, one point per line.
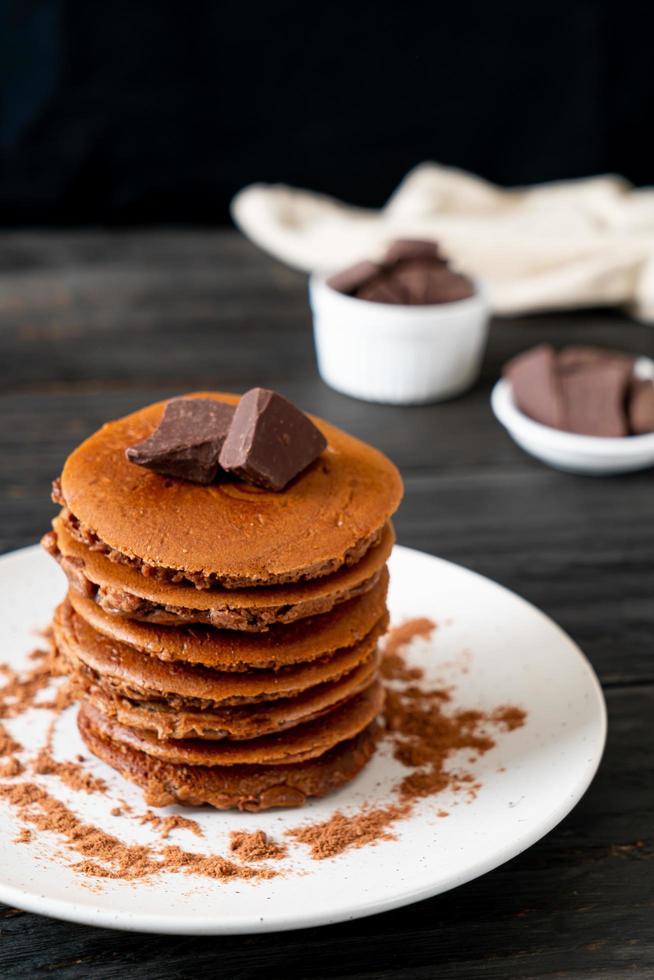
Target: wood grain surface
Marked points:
94	325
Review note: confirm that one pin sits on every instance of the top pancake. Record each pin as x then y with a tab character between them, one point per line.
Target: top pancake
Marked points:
231	532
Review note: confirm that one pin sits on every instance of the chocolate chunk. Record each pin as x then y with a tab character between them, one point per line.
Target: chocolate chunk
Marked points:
384	288
413	273
594	397
270	441
349	280
188	440
414	278
412	248
579	355
641	406
427	282
535	385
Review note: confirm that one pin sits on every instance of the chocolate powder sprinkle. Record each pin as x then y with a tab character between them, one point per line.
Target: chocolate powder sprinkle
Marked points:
165	825
341	832
255	846
11	768
423	736
104	855
70	773
8	745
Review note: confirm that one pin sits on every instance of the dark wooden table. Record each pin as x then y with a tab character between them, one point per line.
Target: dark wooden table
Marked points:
95	325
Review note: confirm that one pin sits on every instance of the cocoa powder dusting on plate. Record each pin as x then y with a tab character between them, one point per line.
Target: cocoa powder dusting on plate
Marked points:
105	856
341	832
255	846
18	693
423	732
209	865
11	768
172	822
394	666
8	745
70	773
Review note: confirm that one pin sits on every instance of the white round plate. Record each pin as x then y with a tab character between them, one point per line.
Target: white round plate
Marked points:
493	647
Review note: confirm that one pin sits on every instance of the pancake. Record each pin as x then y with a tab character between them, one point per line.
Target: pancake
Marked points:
228	650
249	721
118	667
121	589
252	788
307	741
229	534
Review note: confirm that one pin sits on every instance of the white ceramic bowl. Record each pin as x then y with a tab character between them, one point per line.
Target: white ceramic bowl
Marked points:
401	355
590	455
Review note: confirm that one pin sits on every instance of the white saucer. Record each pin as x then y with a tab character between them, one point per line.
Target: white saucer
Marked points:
491	645
569	451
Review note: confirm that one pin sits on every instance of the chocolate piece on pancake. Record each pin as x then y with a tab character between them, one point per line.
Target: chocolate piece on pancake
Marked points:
281	646
244	787
122	668
270	441
122	590
230	534
242	722
187	442
305	741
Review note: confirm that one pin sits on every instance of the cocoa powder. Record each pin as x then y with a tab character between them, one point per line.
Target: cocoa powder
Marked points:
11	767
106	856
70	773
167	824
394	666
423	733
8	745
19	693
209	865
340	832
255	846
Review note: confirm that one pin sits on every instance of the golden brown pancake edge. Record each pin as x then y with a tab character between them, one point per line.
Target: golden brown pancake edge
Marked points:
298	744
248	721
229	650
138	676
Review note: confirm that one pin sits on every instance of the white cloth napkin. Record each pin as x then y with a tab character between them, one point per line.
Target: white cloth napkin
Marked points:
575	243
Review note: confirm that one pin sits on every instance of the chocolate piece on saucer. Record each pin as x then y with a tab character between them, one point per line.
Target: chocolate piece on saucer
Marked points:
270	441
641	406
412	248
579	355
350	280
535	385
594	397
187	442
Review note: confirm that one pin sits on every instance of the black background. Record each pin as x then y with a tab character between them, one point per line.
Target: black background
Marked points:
142	111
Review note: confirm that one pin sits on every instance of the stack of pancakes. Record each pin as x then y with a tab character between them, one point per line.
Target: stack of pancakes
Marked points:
223	638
